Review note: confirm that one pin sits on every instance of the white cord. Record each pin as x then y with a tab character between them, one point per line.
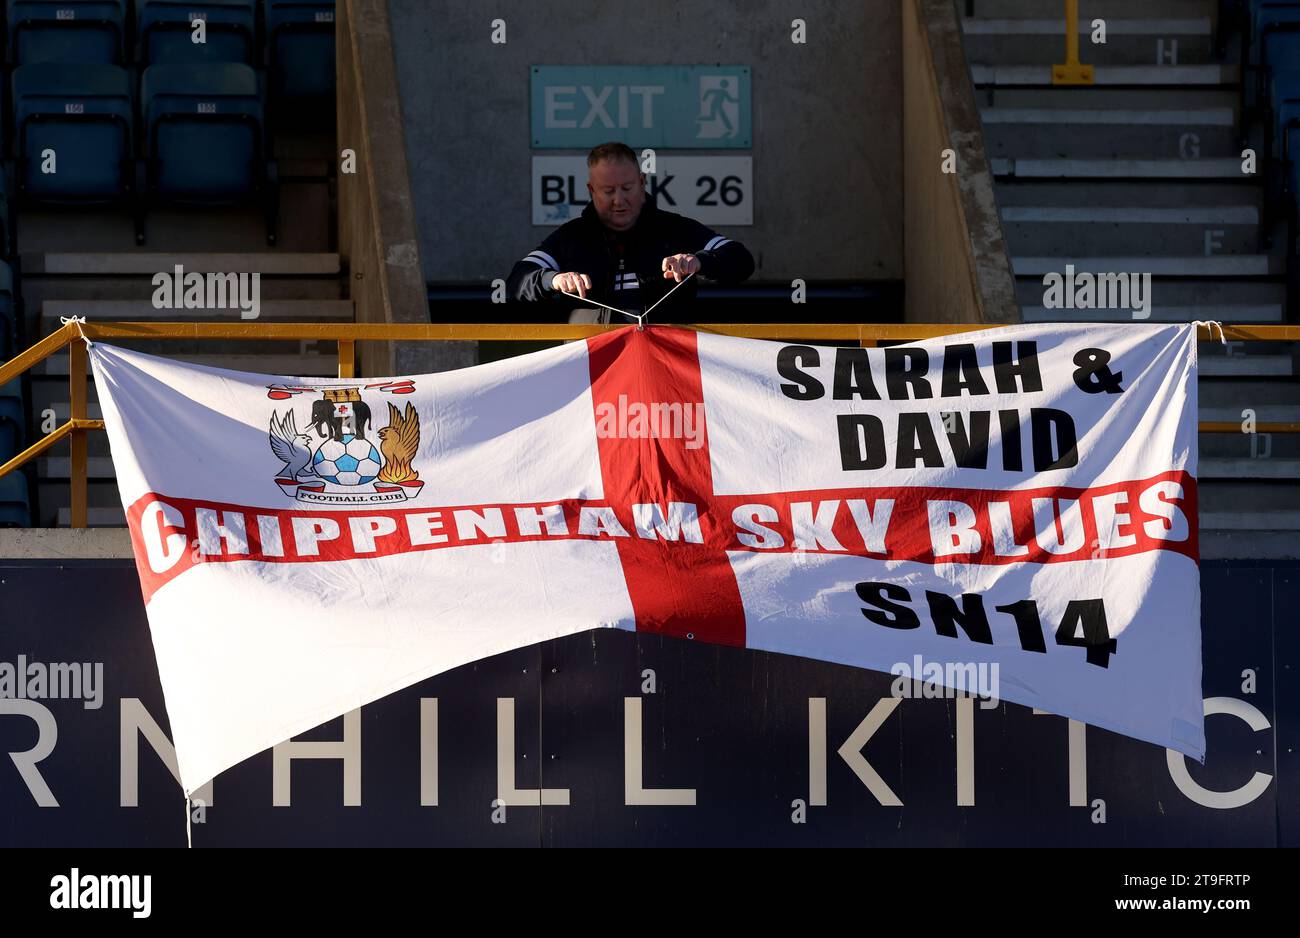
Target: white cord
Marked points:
77	321
585	299
189	842
669	293
640	318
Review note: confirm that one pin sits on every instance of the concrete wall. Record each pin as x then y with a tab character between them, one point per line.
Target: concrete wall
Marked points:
955	257
827	123
377	235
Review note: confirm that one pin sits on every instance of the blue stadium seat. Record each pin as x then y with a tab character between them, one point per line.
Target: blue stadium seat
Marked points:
8	321
204	132
85	31
1284	89
83	115
15	509
300	51
1272	21
1268	25
11	420
165	31
1287	114
1281	44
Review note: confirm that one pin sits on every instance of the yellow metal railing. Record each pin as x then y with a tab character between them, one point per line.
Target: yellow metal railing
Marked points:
1072	72
347	335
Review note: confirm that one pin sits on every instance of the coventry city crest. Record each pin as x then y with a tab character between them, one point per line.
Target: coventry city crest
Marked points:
338	462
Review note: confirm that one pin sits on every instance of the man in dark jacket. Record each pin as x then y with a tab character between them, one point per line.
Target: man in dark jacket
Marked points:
624	251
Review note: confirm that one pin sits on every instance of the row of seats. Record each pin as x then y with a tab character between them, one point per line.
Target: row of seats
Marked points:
121	102
8	319
1272	57
6	229
292	39
201	137
15	506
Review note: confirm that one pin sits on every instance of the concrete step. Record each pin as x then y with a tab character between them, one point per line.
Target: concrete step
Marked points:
137	310
1092	9
99	517
1013	76
1253	446
1268	506
1203	195
1227	168
1224	265
59	468
1109	97
39	289
1250	545
1260	520
1227	300
1249	519
55	495
1239	366
1141	231
1258	315
304	213
1225	468
1264	412
1245	392
1108	133
117	263
1128	41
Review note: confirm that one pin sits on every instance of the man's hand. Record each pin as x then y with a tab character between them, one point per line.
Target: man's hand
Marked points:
680	266
570	282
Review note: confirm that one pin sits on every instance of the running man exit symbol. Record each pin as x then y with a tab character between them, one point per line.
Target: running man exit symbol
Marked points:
719	107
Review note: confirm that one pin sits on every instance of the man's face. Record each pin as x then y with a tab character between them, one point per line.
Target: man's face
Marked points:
617	190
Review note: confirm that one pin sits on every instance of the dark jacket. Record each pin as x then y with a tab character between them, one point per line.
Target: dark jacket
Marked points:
626	267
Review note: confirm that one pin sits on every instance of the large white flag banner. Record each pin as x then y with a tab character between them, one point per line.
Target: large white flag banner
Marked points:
1024	496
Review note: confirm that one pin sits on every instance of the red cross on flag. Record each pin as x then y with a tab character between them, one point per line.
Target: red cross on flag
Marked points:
1021	499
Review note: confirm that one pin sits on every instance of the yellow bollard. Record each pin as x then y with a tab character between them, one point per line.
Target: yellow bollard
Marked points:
1072	72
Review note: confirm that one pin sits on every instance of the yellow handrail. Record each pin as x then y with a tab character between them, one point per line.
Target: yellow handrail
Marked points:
348	334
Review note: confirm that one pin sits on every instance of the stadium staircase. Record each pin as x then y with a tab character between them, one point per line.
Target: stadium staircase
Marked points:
215	158
1141	171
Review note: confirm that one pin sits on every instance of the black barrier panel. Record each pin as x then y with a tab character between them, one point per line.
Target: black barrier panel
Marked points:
1286	632
638	740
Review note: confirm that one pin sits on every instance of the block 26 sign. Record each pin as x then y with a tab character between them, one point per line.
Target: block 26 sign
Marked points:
714	190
